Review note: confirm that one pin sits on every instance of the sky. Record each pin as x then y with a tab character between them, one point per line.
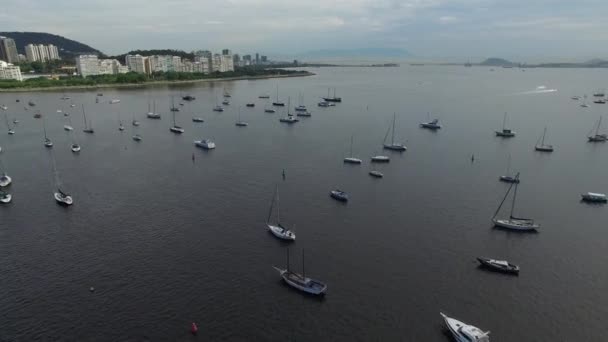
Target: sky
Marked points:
523	30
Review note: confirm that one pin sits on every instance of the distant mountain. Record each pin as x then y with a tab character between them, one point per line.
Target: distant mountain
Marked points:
497	62
67	47
353	53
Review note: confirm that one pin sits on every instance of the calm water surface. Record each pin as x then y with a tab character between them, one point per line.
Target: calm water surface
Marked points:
166	240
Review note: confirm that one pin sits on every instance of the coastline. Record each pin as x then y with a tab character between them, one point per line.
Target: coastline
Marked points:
152	83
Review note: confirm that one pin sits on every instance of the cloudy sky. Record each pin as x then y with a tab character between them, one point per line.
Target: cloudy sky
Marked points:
525	29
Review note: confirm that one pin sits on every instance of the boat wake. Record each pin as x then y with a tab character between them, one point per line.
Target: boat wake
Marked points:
538	90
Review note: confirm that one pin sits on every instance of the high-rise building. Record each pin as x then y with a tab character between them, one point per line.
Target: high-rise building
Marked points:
87	65
31	53
136	63
8	50
227	63
10	72
264	59
236	59
41	52
53	51
176	63
257	58
226	52
216	63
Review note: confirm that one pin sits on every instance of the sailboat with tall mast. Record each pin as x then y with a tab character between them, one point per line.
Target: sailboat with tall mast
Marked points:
134	122
217	108
300	281
596	136
505	132
278	229
507	178
152	114
75	146
541	146
290	119
8	125
393	146
332	98
514	223
239	122
351	159
5	179
86	129
175	128
47	142
62	197
277	102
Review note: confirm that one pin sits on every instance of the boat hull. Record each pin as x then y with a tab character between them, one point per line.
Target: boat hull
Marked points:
454	326
509	179
509	269
376	174
394	147
351	160
516	225
545	148
7	198
283	234
381	159
177	130
204	145
339	196
313	287
5	181
503	134
153	116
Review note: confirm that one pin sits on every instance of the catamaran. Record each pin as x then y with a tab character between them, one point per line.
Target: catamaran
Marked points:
541	146
597	137
514	223
278	229
300	281
352	159
393	146
505	132
86	129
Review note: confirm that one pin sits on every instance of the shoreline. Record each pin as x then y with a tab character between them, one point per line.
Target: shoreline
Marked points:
152	83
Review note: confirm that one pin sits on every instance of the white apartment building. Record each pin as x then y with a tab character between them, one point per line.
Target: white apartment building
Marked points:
87	65
176	63
216	63
136	63
41	52
10	72
53	51
226	63
111	67
31	53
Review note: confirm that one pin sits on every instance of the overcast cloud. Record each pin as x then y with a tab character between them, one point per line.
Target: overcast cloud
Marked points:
435	28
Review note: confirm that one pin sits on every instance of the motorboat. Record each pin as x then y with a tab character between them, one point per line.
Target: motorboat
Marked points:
505	132
63	198
226	102
498	265
304	114
205	144
277	229
339	195
177	129
376	174
5	180
113	101
197	119
300	281
463	332
381	159
599	101
218	109
576	98
594	197
250	105
433	124
75	148
68	127
264	97
5	197
290	119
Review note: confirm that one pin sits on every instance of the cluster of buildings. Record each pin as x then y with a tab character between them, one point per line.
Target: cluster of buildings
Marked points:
42	53
8	56
89	65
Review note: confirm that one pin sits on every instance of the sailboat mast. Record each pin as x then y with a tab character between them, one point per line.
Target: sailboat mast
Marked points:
351	145
44	128
508	164
393	134
287	259
503	201
597	129
274	195
542	143
514	196
278	208
173	118
504	121
288	106
303	270
85	117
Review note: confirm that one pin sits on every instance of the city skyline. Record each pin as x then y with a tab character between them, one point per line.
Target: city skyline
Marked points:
427	28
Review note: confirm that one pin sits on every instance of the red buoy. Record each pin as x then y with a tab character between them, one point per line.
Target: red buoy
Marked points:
193	328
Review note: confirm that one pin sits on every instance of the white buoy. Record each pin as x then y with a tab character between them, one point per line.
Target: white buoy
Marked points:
92	289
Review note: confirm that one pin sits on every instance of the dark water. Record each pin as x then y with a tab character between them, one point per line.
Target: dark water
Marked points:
167	241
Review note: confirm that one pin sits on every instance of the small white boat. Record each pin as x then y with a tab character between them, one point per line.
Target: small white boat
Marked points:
63	198
393	146
5	197
175	128
507	178
48	142
218	109
11	131
596	136
463	332
135	122
153	115
377	174
15	121
576	98
137	137
541	146
433	124
68	128
121	127
499	265
75	148
113	101
5	180
352	159
277	229
505	132
290	119
226	103
300	281
239	122
594	197
205	144
197	119
380	159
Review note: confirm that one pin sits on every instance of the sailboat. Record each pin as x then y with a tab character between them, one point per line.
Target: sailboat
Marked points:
68	127
175	128
134	122
5	179
514	223
173	108
239	122
507	178
47	141
86	129
277	229
268	109
75	147
393	146
290	119
136	136
5	197
277	102
62	197
584	104
431	124
153	114
300	107
597	137
505	132
540	145
226	94
300	281
332	98
8	125
217	107
352	159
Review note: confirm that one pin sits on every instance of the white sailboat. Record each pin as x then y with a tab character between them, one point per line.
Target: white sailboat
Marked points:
8	125
68	127
5	179
541	146
351	159
393	146
47	141
175	128
62	197
278	229
300	281
512	222
239	122
505	132
153	114
596	136
290	119
86	129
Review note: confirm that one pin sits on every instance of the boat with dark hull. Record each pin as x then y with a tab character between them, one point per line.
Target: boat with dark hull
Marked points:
502	266
300	281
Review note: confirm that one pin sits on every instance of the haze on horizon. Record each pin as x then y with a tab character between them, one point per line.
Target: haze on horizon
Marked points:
516	29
